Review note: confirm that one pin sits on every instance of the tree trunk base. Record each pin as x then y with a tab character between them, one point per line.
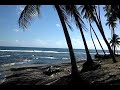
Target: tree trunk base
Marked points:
88	66
76	81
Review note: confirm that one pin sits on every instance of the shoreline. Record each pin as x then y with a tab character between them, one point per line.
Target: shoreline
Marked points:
17	72
108	74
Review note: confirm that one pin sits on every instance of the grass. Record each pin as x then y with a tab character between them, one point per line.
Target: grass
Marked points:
109	60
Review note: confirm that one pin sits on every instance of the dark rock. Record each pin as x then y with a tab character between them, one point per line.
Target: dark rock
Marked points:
51	70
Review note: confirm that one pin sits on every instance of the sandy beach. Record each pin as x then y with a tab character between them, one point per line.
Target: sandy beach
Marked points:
108	74
35	75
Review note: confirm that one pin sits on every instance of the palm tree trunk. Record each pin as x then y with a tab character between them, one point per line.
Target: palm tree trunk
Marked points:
92	39
117	50
89	58
72	56
114	49
99	25
98	40
114	40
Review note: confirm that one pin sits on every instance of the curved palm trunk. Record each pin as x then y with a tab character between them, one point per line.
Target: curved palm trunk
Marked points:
114	50
99	25
93	40
98	40
114	40
111	33
72	56
117	50
89	58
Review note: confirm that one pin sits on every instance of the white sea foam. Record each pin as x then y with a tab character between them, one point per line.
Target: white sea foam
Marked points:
10	64
5	56
31	51
49	57
98	53
21	63
36	58
2	80
65	58
26	60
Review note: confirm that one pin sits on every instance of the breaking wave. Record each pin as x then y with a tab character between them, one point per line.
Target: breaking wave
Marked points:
32	51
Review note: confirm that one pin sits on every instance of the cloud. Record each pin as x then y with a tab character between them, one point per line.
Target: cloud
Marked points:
16	40
61	44
9	42
57	25
16	30
78	43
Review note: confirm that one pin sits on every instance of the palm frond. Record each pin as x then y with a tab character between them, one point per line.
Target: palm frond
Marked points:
27	15
72	11
65	16
115	41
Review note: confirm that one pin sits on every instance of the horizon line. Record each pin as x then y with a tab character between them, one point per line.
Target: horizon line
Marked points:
48	47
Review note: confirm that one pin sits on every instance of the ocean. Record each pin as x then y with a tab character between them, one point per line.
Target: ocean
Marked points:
25	56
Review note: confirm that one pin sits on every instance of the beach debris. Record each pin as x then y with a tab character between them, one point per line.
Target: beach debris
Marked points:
51	70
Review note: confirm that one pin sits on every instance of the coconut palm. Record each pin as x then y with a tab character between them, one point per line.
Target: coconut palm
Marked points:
95	17
112	24
98	39
72	10
87	15
31	10
111	18
92	38
115	42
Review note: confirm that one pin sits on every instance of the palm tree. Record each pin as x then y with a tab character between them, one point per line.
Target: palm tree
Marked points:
73	62
92	39
112	24
31	10
98	40
92	10
73	11
111	18
115	42
87	15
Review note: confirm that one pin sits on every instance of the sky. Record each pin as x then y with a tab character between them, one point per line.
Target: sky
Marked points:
45	30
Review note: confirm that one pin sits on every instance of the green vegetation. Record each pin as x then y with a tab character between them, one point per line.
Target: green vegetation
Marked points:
108	59
115	42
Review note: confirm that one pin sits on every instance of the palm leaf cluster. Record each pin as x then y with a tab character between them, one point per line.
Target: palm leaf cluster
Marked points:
115	41
111	17
27	15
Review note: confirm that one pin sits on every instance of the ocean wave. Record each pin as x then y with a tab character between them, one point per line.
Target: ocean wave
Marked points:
26	60
32	51
2	80
49	57
65	58
8	64
5	56
95	53
17	63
